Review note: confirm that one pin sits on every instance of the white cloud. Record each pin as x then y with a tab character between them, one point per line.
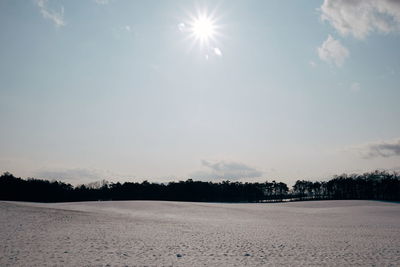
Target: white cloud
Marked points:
56	17
333	52
384	149
226	171
361	17
312	64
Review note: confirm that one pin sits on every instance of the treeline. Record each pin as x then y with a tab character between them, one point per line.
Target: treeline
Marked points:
378	185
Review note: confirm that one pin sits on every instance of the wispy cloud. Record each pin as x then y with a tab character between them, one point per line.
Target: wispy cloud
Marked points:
361	17
70	175
102	2
333	52
379	149
312	63
225	170
56	17
355	87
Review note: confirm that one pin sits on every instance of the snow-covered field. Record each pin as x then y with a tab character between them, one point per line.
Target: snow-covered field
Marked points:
156	233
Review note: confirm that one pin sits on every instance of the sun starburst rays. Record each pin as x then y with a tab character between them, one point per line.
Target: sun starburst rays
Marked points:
203	30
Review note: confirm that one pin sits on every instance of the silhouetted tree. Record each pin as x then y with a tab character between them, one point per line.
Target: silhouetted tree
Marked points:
375	185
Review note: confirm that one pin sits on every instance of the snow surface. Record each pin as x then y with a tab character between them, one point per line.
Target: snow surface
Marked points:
156	233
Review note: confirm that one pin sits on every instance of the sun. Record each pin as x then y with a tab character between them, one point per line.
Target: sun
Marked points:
203	28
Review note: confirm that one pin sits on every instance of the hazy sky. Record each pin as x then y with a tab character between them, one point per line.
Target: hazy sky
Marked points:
210	90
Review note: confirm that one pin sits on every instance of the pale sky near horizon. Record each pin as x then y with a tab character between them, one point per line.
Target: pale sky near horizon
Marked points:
210	90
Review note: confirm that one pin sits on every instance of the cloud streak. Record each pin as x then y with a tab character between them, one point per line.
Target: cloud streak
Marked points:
333	52
383	149
361	17
56	17
225	170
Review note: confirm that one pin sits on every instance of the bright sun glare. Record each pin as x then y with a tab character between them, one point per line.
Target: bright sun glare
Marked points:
203	28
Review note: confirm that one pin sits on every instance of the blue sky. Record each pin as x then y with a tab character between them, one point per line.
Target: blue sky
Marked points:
121	90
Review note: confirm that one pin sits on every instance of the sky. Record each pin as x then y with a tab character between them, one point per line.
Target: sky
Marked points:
208	90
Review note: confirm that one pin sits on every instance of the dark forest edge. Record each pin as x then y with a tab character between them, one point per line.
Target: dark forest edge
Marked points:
377	185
